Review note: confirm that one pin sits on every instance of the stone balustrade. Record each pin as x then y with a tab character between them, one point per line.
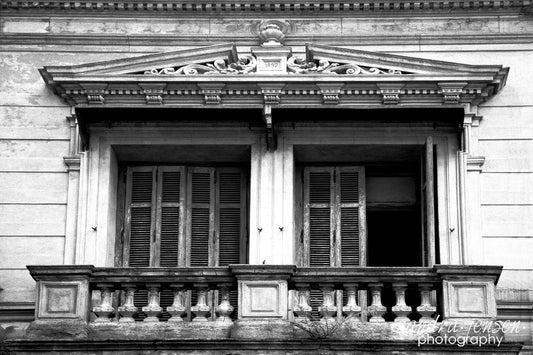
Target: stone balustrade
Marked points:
285	293
371	294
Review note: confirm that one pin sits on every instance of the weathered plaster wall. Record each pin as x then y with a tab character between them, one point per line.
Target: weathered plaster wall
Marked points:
34	132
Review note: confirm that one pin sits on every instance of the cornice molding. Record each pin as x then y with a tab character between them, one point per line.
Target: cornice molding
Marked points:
217	75
264	6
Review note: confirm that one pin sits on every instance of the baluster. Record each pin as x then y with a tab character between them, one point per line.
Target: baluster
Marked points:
105	310
328	309
178	309
302	309
376	309
153	309
128	309
201	310
224	309
425	308
352	310
401	308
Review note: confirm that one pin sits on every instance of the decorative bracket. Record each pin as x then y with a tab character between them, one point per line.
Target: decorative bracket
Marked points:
474	163
472	119
451	92
154	97
212	97
271	93
95	93
330	93
153	93
95	96
212	93
390	94
271	137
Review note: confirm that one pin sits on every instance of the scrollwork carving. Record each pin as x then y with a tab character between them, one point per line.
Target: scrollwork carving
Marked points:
299	65
244	65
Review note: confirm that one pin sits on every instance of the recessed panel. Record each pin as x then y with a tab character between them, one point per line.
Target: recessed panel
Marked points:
471	299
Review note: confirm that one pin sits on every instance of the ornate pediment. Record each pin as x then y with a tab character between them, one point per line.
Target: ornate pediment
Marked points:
295	65
271	74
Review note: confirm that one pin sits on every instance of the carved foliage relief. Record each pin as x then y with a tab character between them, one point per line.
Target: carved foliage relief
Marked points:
295	65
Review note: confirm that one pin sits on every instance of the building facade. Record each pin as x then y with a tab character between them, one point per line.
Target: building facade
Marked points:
266	177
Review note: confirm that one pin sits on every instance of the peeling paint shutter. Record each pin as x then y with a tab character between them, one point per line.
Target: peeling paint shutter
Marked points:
334	212
230	216
318	215
140	215
201	215
169	214
350	207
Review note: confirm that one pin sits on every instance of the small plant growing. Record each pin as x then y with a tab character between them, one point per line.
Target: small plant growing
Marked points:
319	328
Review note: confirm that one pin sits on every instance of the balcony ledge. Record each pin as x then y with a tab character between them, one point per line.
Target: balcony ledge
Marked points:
232	346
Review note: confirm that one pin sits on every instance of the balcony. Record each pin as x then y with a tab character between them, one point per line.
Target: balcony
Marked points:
279	307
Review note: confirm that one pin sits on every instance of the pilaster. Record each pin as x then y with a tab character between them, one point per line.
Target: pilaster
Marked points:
271	231
471	167
73	163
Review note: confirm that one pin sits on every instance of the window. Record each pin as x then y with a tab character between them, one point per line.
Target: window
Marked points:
185	216
334	208
367	205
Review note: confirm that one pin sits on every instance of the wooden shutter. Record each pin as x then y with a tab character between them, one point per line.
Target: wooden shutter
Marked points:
201	215
230	216
169	216
428	204
155	209
140	216
350	198
318	215
334	216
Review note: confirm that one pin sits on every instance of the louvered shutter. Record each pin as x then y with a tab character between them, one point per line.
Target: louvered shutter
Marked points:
230	216
140	215
351	223
428	204
169	217
318	215
201	215
334	216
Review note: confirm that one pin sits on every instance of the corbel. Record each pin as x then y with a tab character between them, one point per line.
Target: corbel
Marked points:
212	93
472	119
153	93
451	92
330	93
390	93
73	159
95	93
271	93
469	120
271	137
474	163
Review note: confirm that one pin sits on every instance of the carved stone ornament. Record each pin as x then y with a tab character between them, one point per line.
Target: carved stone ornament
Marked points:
244	65
299	65
296	65
271	35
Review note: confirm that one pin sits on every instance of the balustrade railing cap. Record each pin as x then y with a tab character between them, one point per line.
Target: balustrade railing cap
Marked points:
365	274
266	271
60	272
469	272
163	274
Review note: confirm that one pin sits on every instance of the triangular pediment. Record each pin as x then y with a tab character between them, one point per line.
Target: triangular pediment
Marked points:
220	75
140	64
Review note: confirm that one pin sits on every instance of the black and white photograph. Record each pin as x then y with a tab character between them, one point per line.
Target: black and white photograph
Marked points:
266	177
